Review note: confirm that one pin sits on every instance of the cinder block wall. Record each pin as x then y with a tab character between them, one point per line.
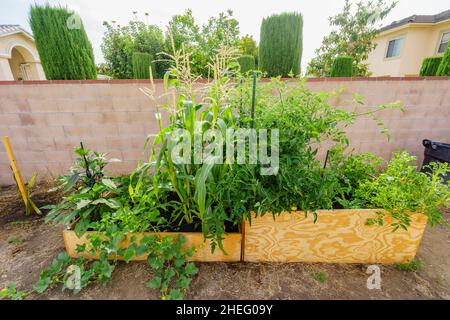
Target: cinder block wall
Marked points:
46	120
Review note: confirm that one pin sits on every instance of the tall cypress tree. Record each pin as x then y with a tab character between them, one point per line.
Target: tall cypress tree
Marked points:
281	44
444	67
141	65
62	43
246	63
342	67
430	66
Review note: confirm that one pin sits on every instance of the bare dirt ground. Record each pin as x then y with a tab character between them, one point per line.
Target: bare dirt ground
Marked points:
27	246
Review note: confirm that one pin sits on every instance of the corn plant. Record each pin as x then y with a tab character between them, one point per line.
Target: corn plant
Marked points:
194	183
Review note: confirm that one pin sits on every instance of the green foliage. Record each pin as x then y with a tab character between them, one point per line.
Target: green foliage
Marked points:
430	66
194	185
185	32
401	190
281	44
201	43
141	65
444	67
247	63
173	273
247	45
342	67
121	42
415	265
11	293
305	121
320	277
63	268
65	53
352	35
352	171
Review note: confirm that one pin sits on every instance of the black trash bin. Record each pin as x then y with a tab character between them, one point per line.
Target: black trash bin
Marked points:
436	152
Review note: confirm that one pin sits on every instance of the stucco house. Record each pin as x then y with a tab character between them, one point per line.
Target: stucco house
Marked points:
19	59
402	45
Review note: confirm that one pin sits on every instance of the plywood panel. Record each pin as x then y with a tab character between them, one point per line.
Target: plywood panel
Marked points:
339	236
232	246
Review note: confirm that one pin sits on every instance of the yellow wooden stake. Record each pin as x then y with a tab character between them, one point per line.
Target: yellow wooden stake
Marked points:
15	169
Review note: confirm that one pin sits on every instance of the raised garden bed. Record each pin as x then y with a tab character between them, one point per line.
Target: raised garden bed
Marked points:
202	251
338	236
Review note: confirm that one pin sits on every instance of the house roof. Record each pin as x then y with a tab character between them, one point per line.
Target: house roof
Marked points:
445	15
8	29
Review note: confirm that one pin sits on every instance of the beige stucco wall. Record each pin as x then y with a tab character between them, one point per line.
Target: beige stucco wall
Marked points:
45	121
26	47
420	41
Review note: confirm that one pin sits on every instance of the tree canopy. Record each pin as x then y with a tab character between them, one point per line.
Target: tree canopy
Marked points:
353	35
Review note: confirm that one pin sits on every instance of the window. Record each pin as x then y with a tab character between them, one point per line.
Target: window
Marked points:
444	42
394	48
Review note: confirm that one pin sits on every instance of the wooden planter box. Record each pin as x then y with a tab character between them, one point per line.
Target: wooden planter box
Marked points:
232	245
338	236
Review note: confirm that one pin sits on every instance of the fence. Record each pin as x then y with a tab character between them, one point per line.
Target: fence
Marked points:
46	119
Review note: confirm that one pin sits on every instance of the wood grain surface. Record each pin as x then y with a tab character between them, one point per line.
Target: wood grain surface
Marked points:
339	236
232	246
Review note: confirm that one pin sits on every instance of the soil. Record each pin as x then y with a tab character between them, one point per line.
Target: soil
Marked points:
28	245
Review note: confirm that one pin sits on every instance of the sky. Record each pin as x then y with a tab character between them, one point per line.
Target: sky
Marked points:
248	13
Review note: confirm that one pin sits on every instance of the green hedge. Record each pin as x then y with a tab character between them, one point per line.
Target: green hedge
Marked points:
430	66
247	63
444	67
65	53
342	67
280	47
141	65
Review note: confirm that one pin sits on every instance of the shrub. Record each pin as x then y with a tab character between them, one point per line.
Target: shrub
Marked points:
65	53
247	63
342	67
401	189
430	66
444	67
141	65
280	47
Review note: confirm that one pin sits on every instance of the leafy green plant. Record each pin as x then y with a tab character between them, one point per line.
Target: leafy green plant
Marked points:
120	42
414	265
62	268
11	293
305	121
353	170
401	190
167	258
342	67
65	53
320	277
281	44
430	66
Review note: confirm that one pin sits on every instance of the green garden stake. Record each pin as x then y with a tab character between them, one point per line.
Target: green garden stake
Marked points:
253	100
